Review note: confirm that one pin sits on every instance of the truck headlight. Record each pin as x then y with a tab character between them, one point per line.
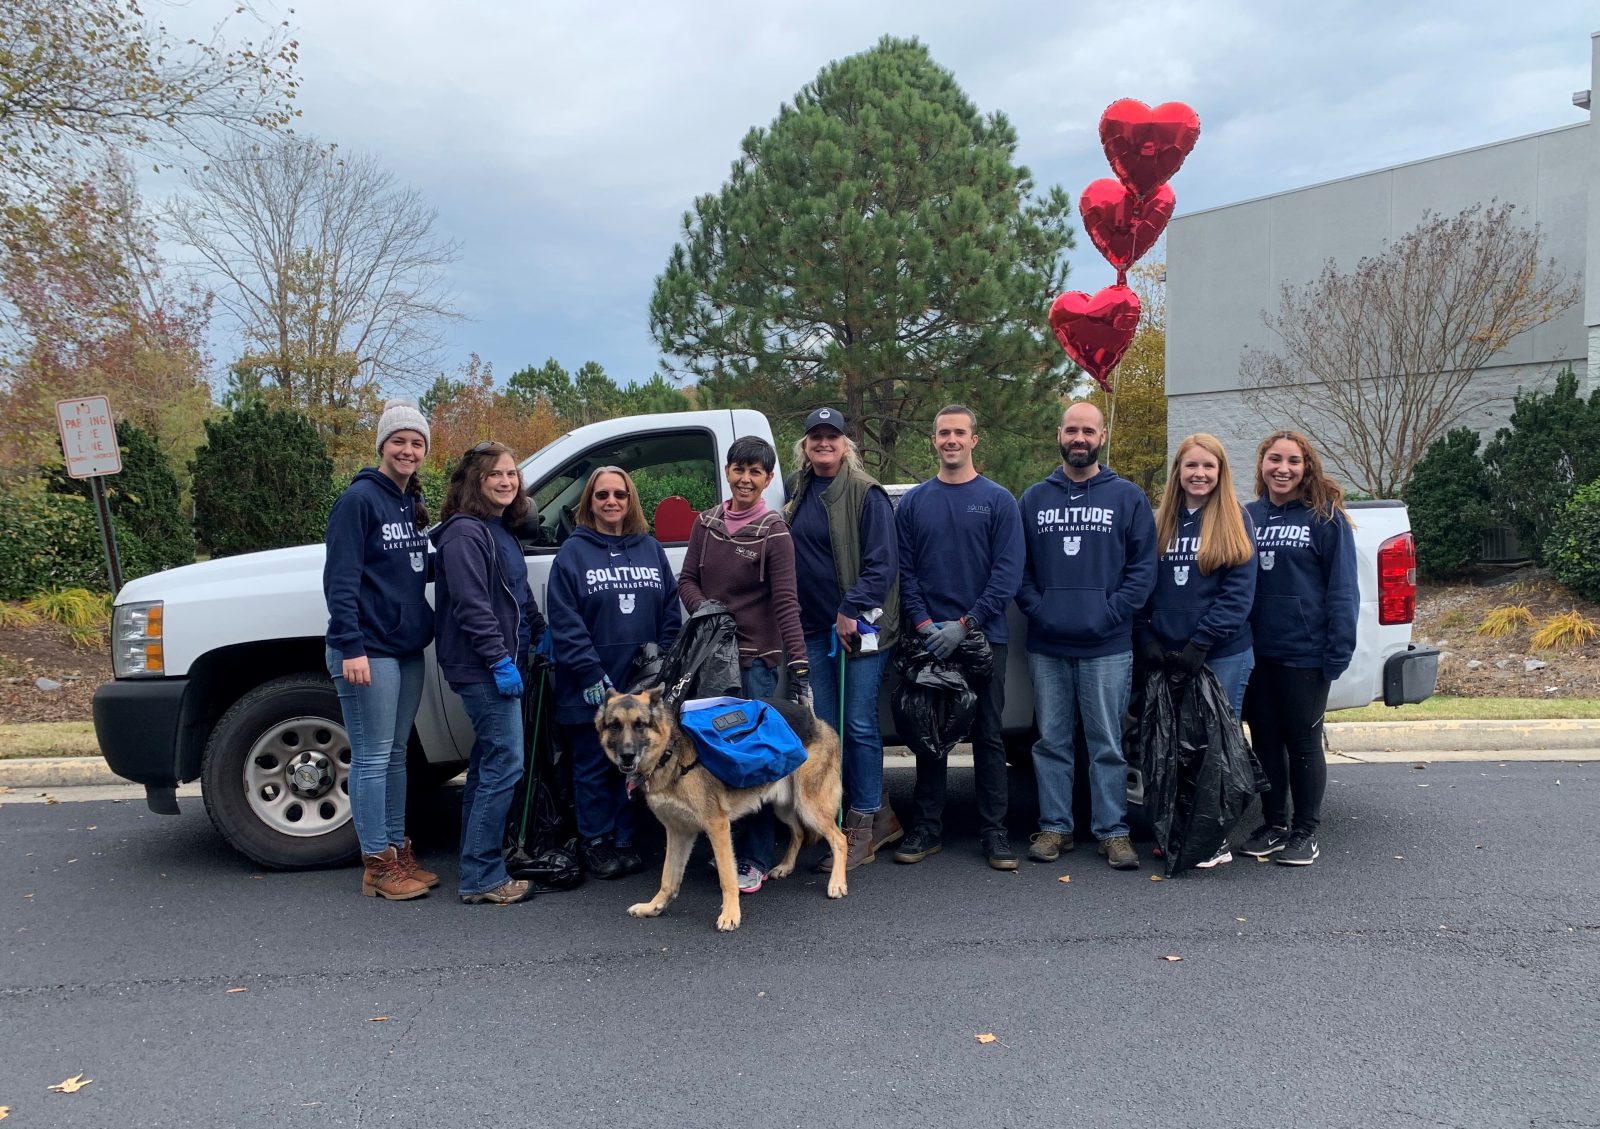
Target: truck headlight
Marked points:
136	641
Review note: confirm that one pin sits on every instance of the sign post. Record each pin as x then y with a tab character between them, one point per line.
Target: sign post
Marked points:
89	441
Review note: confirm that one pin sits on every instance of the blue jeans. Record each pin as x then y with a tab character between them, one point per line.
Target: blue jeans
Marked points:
1097	688
378	720
492	777
599	794
1233	672
754	835
859	736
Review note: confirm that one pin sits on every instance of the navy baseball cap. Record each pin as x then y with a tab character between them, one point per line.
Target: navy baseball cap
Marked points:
821	416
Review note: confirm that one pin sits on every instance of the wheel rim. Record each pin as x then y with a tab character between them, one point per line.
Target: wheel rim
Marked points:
297	777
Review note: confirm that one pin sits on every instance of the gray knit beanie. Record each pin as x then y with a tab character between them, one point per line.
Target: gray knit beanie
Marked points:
402	415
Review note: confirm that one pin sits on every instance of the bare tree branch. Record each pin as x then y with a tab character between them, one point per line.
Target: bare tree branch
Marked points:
1377	363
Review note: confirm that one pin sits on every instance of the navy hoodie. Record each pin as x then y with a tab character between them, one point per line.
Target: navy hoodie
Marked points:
486	609
1307	595
607	597
1188	606
1091	564
376	571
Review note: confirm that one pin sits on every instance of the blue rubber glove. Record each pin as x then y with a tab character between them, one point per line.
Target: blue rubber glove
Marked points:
943	640
546	646
506	678
596	694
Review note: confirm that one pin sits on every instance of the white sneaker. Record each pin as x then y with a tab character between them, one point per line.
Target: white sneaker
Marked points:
751	878
1223	855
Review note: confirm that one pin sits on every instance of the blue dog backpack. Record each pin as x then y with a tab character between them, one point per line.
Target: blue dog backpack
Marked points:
742	743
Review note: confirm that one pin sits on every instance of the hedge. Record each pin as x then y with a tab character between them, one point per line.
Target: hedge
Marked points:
53	541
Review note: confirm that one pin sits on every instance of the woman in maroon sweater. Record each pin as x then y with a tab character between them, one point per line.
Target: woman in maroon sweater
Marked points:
740	553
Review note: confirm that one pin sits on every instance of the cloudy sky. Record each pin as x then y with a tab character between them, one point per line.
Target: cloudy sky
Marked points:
562	143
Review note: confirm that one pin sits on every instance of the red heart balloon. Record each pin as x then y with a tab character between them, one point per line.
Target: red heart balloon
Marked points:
1096	331
1122	225
1145	146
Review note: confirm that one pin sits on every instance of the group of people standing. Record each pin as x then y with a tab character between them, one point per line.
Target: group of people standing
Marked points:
821	593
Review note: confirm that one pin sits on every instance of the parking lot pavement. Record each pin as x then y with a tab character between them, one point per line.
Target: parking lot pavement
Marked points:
1436	967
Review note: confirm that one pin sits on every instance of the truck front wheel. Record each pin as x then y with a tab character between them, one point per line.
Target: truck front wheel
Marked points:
275	775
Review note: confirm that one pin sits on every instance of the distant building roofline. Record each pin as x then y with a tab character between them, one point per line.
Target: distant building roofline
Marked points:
1386	168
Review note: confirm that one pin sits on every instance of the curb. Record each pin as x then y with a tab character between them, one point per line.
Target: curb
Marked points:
57	772
1496	737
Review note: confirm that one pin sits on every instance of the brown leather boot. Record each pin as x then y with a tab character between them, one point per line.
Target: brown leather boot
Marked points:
408	860
886	827
384	877
858	843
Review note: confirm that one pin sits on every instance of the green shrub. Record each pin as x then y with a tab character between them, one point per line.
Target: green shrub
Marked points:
1573	549
144	498
262	481
1551	448
50	541
701	492
1448	499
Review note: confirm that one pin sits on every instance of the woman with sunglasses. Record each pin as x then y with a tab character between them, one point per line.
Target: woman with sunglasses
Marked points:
379	624
611	591
486	619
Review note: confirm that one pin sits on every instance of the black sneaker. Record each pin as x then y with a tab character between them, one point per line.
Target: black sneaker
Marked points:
997	849
1265	840
917	845
602	859
1300	851
632	861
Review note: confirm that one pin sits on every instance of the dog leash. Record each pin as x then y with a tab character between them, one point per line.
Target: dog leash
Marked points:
835	649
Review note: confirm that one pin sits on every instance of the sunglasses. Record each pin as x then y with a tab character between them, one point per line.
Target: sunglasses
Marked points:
483	448
607	495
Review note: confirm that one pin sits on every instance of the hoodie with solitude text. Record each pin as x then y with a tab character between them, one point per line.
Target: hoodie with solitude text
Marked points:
1091	563
1189	606
1307	595
376	571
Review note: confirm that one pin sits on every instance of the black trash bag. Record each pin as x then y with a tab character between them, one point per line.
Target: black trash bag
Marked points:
704	660
1199	772
542	828
935	700
646	669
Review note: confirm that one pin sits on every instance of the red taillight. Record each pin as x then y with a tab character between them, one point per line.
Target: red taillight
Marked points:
1397	579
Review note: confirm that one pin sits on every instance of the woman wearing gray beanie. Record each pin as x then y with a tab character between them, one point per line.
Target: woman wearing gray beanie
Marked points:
379	625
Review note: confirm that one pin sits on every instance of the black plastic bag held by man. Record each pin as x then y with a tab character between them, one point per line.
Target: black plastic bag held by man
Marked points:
935	700
542	836
1199	773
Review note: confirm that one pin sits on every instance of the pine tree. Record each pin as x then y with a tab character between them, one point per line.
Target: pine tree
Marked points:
875	248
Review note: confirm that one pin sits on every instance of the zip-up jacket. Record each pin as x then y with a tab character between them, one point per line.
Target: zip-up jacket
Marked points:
376	571
752	573
484	613
607	597
1307	594
1189	607
1091	564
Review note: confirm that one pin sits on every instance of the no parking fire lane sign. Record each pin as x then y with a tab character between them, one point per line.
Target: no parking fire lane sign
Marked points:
88	437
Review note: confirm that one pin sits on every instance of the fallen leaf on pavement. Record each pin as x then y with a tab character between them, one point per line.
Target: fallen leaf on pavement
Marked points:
53	800
1399	856
1238	919
71	1085
5	1110
1155	878
379	1019
231	991
1065	878
1172	959
1419	766
5	789
987	1037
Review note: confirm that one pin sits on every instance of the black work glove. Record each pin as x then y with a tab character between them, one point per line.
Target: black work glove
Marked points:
1187	663
1152	656
800	685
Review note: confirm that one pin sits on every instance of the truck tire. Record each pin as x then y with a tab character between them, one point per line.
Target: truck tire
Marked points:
274	775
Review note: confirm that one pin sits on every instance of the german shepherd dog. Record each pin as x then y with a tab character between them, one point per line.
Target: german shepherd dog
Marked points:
641	736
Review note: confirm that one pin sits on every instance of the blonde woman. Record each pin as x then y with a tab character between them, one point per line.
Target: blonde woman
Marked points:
1199	613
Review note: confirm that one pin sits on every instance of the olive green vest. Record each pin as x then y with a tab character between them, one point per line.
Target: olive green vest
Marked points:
843	503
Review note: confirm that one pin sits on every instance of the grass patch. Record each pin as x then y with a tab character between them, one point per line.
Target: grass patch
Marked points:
48	739
1504	620
1561	632
73	608
16	615
1445	708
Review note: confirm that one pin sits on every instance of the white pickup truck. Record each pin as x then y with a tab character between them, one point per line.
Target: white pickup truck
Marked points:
219	673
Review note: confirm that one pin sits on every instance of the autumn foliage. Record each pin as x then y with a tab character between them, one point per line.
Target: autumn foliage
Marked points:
476	412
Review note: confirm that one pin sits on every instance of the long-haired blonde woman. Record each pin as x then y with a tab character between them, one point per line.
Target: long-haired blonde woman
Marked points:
1305	629
1199	613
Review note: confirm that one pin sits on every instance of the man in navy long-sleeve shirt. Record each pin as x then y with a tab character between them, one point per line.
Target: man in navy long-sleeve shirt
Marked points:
961	556
1091	566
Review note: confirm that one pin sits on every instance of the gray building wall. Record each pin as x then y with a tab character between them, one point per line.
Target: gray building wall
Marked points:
1227	265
